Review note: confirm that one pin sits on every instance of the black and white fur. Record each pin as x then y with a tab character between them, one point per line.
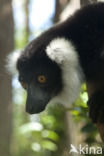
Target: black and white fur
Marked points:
74	52
64	54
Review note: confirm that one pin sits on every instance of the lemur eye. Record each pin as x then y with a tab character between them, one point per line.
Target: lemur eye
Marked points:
24	85
41	79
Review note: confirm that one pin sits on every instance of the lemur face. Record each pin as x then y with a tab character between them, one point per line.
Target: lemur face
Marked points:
42	81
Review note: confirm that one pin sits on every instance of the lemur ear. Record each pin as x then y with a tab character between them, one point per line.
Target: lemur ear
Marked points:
11	61
61	50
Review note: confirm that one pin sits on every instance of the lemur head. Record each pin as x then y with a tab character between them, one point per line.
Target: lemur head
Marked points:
49	72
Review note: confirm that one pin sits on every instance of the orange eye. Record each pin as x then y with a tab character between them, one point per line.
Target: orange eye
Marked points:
42	79
24	85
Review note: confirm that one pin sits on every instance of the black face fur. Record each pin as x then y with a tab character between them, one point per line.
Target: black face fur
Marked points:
39	94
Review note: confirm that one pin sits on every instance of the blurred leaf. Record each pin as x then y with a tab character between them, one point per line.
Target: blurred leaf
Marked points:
75	112
48	121
49	145
32	126
84	97
83	87
36	147
50	135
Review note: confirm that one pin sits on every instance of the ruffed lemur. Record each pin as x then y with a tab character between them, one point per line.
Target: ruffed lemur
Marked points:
54	65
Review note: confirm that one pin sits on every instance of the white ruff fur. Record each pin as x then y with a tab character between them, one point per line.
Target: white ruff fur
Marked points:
11	62
65	55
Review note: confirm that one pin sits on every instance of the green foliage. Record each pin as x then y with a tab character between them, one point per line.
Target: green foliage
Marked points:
88	129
